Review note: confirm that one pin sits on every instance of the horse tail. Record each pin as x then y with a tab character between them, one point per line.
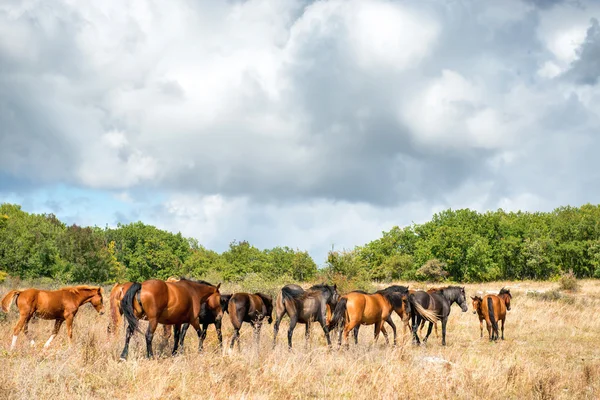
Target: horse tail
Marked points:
490	304
429	315
127	306
7	300
339	314
288	298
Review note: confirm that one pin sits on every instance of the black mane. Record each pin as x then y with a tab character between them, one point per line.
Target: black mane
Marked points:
505	291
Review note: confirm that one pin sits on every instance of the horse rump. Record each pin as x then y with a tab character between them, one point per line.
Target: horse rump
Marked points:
127	306
492	315
7	300
339	314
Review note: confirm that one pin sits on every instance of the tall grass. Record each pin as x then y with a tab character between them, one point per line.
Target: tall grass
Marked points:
552	350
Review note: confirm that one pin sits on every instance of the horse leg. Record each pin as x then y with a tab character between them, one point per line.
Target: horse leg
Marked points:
176	334
184	329
379	328
196	324
276	326
421	327
428	332
355	333
481	328
503	329
203	336
26	332
391	323
415	325
488	325
152	325
219	332
444	322
57	325
325	330
69	321
350	325
307	335
436	331
24	319
128	335
257	327
236	336
293	322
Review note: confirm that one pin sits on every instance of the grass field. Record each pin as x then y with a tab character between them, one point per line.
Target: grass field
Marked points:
552	350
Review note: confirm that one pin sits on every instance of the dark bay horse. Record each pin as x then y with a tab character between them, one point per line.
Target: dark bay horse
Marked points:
209	314
492	309
251	308
304	306
358	307
168	303
435	306
403	311
60	305
116	313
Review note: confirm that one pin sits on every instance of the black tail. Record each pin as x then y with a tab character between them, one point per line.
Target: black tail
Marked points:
127	306
339	314
490	304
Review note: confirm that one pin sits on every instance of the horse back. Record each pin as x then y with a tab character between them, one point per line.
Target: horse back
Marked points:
46	304
497	303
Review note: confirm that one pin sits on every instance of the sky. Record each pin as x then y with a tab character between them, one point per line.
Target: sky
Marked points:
297	123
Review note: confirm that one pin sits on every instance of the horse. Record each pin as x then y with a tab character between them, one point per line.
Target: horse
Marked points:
208	315
435	306
358	307
492	308
403	312
304	307
252	308
59	305
406	323
169	303
116	313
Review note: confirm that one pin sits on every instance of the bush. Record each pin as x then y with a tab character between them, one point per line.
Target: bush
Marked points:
433	270
3	276
568	281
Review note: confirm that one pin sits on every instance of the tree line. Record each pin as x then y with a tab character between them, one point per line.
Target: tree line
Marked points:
460	245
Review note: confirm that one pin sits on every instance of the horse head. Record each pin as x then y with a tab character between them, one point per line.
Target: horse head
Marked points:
506	296
476	303
97	301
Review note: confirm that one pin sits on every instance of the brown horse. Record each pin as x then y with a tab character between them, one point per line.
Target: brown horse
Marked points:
60	305
168	303
407	322
251	308
356	308
492	309
402	310
116	313
304	307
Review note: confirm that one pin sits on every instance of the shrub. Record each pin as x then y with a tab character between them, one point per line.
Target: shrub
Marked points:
433	270
568	281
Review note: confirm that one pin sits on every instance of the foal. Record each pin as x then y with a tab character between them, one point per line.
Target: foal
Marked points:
60	305
492	308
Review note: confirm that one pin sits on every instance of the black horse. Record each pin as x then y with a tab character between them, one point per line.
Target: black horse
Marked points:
305	306
435	306
251	308
403	312
207	317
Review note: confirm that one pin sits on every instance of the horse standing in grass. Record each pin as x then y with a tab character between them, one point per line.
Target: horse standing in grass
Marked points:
304	307
60	305
169	303
116	313
251	308
492	309
356	308
403	311
435	306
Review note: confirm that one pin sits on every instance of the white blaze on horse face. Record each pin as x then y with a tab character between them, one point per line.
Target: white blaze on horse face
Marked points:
14	342
49	341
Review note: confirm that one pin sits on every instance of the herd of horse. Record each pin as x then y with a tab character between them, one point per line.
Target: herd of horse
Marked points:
181	302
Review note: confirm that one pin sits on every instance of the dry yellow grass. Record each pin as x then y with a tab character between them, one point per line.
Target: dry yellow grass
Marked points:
552	350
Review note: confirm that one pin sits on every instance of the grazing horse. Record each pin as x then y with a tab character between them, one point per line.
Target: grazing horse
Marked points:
492	309
168	303
116	313
403	312
60	305
304	306
435	306
356	308
252	308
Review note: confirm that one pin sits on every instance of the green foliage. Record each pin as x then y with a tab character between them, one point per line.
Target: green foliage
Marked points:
433	270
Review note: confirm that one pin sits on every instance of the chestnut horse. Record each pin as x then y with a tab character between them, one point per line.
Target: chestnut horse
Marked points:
403	312
356	308
251	308
304	306
492	309
116	313
60	305
168	303
435	306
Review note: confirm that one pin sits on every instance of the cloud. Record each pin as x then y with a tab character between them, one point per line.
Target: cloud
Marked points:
298	121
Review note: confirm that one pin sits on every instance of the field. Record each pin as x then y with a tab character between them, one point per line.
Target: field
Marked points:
552	350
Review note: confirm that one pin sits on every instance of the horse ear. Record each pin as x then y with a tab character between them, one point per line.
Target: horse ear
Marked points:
218	286
472	297
335	286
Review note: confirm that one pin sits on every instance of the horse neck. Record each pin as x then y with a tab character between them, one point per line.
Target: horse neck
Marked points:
450	295
84	296
503	297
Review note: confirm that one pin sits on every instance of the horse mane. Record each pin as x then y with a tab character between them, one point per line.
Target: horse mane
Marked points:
359	291
477	298
505	291
76	289
181	278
